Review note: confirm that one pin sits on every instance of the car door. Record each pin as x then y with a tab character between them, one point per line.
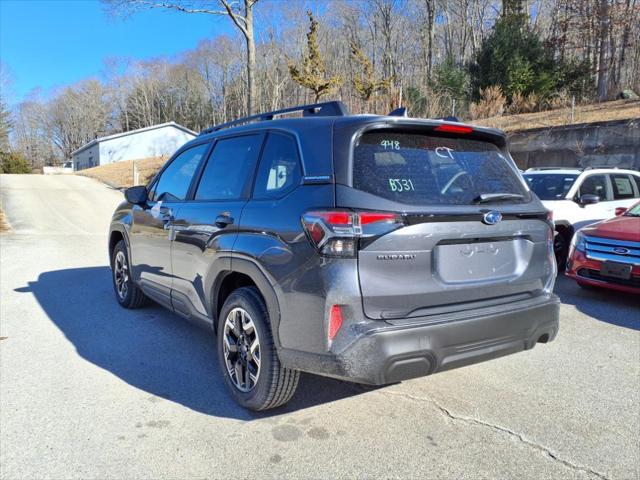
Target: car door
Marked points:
206	226
625	190
595	184
151	225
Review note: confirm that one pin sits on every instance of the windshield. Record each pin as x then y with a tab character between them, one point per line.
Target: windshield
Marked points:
424	169
550	186
633	211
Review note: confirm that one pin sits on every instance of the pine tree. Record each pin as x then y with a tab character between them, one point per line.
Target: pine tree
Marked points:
366	84
514	58
312	73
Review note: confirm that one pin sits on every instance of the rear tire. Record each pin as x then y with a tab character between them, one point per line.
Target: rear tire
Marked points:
247	356
127	292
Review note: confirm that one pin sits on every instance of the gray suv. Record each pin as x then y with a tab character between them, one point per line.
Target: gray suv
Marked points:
367	248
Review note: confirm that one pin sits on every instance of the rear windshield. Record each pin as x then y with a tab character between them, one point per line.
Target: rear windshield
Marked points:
424	169
550	186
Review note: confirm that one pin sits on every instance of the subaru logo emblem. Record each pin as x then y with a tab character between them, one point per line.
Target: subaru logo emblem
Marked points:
492	217
621	250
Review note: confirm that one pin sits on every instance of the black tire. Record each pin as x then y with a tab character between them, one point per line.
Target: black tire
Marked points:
275	385
561	250
128	294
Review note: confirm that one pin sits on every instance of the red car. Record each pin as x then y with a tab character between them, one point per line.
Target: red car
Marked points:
607	254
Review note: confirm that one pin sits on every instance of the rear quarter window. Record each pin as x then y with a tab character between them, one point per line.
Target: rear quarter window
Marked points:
423	169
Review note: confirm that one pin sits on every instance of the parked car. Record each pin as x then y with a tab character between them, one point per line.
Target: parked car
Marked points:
367	248
607	254
579	197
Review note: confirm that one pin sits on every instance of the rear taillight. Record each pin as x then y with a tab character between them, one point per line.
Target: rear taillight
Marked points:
337	233
550	221
335	321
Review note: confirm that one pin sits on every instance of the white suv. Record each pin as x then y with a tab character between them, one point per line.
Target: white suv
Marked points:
579	197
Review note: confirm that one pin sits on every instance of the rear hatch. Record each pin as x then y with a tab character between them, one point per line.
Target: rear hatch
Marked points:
468	233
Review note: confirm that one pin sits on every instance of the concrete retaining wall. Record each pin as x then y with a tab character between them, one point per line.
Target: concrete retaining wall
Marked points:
614	143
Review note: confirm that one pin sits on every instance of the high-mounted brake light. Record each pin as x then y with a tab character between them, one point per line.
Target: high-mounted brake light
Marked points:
448	128
336	233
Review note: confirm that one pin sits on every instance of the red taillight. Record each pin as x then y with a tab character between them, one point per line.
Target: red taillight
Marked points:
369	217
448	128
335	321
337	218
335	233
315	232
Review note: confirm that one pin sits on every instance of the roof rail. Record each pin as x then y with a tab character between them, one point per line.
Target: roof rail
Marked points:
398	112
325	109
533	169
595	167
450	118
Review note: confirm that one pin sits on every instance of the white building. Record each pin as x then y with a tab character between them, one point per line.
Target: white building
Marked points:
155	141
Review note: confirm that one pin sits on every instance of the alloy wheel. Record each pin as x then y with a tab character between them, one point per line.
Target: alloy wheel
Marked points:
241	349
121	274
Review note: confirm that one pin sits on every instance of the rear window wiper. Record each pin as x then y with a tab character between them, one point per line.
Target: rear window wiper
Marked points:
494	197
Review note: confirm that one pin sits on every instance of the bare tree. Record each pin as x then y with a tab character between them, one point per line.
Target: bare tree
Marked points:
240	14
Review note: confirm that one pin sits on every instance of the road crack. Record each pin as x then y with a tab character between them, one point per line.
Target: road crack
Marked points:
498	428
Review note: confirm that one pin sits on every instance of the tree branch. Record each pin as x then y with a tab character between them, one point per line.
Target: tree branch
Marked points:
239	20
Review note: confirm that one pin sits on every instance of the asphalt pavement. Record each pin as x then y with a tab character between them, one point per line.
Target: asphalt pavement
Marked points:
89	390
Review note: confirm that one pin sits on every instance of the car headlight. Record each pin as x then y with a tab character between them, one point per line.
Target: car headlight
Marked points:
578	242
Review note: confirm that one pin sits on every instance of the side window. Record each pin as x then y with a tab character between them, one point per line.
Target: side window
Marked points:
173	184
595	185
622	186
230	168
279	171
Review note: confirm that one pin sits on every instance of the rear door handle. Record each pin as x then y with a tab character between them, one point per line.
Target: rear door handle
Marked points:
223	220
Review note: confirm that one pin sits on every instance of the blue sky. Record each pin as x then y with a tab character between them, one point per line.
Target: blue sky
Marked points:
53	43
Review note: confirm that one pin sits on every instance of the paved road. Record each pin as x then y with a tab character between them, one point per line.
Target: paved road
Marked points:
89	390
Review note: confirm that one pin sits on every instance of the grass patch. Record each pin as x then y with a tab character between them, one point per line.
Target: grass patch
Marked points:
596	112
120	174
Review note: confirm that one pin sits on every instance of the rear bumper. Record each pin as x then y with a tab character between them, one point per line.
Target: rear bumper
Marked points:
391	353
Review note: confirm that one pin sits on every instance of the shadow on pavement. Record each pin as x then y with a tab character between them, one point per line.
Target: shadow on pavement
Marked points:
616	308
153	349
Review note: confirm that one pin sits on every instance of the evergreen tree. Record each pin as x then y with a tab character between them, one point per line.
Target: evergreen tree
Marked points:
452	79
366	83
514	58
12	162
312	73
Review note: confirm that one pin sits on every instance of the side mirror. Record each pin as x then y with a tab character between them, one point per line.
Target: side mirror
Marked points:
588	199
620	211
136	195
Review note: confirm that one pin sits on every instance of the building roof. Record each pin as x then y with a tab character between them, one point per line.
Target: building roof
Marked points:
133	132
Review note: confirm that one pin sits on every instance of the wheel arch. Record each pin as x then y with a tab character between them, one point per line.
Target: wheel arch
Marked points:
116	234
246	273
